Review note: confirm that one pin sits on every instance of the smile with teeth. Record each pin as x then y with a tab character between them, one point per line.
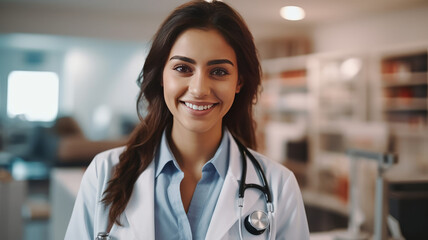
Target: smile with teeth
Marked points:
198	107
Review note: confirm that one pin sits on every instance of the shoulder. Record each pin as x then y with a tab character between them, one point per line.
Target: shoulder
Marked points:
108	158
282	180
103	163
97	175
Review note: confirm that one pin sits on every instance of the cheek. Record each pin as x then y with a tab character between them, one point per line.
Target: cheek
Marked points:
167	83
168	87
172	88
228	95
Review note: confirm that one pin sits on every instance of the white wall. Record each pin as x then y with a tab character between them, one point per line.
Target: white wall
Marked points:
94	75
102	80
371	32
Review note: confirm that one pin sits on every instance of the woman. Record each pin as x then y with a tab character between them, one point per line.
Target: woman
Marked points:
178	176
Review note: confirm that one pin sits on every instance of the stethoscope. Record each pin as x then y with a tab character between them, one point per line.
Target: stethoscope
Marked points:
256	222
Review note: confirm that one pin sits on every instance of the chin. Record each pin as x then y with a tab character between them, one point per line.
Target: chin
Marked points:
200	127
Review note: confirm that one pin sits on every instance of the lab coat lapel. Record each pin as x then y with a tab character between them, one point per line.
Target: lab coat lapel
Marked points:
140	209
226	213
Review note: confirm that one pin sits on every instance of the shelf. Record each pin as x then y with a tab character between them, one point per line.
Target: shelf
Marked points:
288	103
338	82
416	62
330	155
291	84
408	79
332	127
404	91
295	83
405	104
287	111
399	175
409	130
336	102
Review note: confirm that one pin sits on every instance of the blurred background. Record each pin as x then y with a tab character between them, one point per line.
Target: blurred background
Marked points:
349	75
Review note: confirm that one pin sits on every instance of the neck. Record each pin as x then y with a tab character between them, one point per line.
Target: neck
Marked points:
194	149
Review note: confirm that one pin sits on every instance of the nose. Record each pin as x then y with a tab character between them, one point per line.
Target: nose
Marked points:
199	86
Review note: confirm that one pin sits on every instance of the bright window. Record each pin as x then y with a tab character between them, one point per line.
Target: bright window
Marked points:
33	95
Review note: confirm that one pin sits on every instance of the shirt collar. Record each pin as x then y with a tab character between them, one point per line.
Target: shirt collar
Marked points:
220	160
164	155
221	157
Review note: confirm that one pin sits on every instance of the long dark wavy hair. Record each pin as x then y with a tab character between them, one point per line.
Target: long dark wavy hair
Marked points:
141	147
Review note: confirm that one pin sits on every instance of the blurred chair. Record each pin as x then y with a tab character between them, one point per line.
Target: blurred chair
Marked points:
74	148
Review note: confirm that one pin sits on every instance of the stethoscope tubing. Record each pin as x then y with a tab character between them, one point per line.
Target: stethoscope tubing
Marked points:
265	189
242	185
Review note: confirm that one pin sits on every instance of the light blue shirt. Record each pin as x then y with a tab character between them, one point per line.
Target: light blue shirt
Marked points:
171	220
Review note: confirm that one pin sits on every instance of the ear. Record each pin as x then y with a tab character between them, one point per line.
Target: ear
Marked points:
239	85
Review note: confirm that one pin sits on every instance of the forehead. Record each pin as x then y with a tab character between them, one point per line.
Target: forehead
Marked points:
201	44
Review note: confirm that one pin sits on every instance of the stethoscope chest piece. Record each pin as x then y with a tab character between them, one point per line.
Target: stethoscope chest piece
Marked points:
103	236
257	222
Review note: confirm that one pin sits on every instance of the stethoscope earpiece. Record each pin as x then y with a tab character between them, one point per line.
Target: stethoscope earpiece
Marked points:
257	222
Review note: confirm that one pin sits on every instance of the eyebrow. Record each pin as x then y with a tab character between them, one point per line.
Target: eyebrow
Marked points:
219	61
185	59
211	62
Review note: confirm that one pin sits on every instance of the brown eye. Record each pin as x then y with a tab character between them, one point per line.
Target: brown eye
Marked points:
182	69
219	72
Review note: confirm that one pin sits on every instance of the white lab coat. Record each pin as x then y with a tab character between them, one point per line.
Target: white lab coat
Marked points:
90	216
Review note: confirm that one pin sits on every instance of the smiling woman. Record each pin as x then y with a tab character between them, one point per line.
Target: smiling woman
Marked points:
184	170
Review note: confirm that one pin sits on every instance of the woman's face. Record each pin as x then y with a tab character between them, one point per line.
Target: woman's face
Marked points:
200	80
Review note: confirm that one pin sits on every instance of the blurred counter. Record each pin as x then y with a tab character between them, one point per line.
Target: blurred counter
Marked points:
12	197
65	183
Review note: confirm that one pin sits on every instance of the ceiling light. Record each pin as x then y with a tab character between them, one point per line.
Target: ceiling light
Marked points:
292	13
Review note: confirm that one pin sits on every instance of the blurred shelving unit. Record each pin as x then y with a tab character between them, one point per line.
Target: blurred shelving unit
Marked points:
403	78
340	83
341	98
283	112
284	84
314	107
400	78
305	106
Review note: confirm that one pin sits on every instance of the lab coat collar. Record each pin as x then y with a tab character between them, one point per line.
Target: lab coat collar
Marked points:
140	209
226	213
